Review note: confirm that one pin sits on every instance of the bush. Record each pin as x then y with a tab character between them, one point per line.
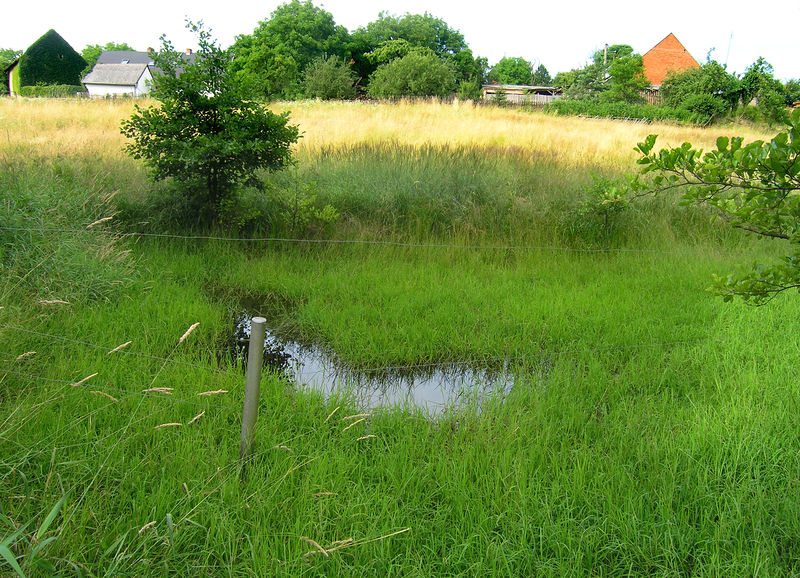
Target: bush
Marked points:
52	91
622	110
329	78
206	136
418	73
705	106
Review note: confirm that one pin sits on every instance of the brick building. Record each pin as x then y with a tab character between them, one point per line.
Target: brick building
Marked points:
667	56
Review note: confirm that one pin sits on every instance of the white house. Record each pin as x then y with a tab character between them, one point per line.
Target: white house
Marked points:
124	73
126	79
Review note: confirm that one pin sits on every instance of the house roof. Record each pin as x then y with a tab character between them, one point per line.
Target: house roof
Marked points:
124	57
667	56
115	74
10	65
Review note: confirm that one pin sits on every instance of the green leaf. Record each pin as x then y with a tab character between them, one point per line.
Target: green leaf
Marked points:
8	556
50	517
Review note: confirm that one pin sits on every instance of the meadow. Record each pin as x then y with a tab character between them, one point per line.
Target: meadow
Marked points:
651	429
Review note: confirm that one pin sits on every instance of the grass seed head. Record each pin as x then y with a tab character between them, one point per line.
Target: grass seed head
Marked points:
188	332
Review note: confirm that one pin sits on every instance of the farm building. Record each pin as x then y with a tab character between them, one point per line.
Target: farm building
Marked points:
119	80
120	73
11	77
123	73
667	56
521	94
48	61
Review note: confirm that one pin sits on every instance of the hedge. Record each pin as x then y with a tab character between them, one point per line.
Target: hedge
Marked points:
625	110
52	90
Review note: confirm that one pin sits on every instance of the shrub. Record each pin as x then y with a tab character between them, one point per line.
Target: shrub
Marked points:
705	106
622	110
206	135
52	91
329	78
418	73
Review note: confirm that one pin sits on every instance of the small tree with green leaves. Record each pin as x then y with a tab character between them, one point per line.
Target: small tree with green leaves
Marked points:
206	135
418	73
754	187
329	78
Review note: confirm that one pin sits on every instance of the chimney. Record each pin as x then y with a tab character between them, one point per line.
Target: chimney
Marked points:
188	52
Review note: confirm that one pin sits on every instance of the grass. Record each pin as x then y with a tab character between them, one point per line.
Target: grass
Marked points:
652	429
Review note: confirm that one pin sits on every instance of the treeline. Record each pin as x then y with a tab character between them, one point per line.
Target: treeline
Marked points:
300	52
614	82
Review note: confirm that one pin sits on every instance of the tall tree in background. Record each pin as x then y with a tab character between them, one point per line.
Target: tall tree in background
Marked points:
615	74
93	51
760	86
541	77
8	55
709	91
512	70
391	37
273	58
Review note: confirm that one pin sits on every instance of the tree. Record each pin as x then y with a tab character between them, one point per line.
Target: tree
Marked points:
615	74
419	73
206	135
791	92
626	80
396	36
512	70
329	78
541	77
93	51
273	58
758	84
7	56
709	90
753	187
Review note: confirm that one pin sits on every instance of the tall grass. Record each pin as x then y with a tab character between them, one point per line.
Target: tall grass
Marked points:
651	429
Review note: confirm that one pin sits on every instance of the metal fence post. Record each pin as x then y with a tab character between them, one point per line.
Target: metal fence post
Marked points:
258	328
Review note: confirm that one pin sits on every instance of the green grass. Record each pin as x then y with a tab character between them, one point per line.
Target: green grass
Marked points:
652	428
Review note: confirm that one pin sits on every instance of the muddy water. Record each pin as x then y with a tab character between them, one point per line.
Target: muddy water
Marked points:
433	388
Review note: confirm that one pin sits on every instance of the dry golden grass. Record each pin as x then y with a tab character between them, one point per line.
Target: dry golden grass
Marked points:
573	141
39	127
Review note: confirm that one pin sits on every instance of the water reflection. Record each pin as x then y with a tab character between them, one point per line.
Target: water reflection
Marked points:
433	388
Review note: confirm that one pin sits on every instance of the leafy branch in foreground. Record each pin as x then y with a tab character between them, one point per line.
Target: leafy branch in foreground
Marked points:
754	187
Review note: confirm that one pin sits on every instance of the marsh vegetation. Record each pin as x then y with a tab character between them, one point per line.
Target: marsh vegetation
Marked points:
651	429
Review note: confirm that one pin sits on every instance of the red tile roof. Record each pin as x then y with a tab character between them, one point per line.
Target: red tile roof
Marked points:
669	55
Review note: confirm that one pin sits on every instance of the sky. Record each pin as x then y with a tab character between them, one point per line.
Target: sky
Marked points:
561	34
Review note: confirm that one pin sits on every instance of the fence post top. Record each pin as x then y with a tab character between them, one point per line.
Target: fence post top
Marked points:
258	320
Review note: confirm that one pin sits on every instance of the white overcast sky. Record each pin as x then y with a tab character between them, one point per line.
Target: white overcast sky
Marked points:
561	34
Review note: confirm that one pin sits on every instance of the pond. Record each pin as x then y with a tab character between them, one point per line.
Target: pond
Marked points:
434	388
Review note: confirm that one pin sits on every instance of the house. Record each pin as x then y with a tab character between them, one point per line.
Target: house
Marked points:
48	61
11	77
521	94
123	73
667	56
119	80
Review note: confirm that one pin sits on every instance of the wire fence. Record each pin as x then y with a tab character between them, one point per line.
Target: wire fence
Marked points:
372	242
109	394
